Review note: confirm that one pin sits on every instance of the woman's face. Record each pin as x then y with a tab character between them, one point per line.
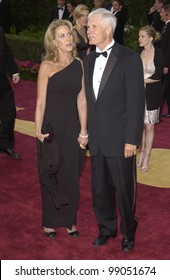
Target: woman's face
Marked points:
63	39
83	19
70	8
144	39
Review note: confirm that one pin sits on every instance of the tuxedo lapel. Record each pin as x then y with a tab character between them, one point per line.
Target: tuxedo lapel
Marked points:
112	60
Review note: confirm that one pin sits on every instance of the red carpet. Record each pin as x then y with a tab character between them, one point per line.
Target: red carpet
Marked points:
20	207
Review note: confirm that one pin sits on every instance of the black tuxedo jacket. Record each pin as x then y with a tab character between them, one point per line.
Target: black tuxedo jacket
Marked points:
6	62
121	21
54	14
164	44
116	117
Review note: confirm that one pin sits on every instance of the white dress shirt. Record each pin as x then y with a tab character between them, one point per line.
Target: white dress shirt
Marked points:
99	67
60	12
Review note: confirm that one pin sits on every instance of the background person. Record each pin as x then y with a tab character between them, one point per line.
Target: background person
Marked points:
152	59
60	11
7	102
120	13
99	4
70	8
154	18
5	15
60	120
115	101
164	44
80	16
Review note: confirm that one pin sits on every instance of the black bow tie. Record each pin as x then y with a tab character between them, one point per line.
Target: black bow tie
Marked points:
59	8
103	53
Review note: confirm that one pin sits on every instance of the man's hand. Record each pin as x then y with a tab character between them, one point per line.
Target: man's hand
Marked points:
16	78
130	150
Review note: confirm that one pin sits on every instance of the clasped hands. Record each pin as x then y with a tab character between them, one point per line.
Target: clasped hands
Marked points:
83	140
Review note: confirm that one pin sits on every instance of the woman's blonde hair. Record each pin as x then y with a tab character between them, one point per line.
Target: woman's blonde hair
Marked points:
51	51
151	32
78	11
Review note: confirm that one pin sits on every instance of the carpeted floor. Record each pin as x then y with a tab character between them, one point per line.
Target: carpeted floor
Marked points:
20	204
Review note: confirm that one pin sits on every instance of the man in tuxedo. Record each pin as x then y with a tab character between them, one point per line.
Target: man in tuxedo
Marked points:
60	11
120	13
154	15
165	46
7	103
115	99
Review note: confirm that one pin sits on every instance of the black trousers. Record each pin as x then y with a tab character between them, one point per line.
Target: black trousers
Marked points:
7	119
114	183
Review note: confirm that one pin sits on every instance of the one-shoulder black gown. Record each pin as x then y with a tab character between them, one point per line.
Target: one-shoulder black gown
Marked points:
61	112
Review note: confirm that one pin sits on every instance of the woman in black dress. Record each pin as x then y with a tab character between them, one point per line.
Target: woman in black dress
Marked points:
152	59
80	16
61	131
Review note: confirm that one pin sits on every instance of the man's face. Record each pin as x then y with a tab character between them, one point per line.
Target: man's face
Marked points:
97	31
116	6
163	15
61	3
158	5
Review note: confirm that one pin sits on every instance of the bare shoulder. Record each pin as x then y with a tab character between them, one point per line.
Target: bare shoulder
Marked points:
49	67
45	66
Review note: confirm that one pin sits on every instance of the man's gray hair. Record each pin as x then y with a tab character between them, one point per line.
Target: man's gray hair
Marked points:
107	16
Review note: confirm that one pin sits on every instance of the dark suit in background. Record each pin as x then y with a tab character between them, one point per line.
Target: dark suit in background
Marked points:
115	119
55	14
155	21
7	103
165	46
5	15
121	21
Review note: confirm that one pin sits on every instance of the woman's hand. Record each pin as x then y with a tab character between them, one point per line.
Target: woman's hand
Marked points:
83	140
41	136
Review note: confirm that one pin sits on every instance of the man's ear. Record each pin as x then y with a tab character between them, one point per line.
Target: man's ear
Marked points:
108	29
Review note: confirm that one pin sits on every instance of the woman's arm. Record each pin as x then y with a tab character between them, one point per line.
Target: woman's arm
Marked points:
150	81
41	100
82	112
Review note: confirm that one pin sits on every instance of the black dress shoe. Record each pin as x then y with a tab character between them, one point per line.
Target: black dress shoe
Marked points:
11	153
102	239
51	235
128	245
74	234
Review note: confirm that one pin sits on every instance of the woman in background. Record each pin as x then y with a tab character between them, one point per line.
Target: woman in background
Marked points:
152	58
70	8
61	132
80	16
